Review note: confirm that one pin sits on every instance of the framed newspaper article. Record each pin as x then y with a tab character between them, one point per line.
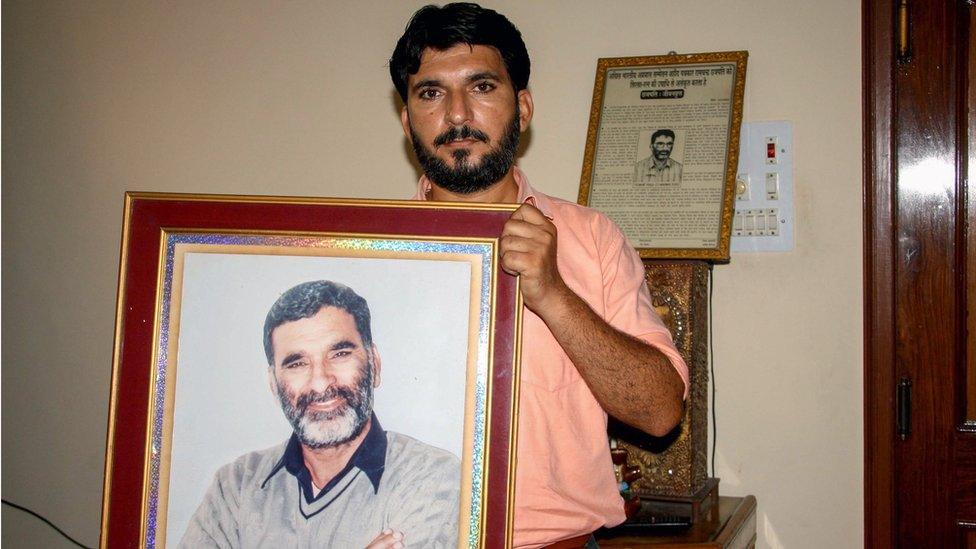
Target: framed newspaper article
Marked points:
263	343
662	151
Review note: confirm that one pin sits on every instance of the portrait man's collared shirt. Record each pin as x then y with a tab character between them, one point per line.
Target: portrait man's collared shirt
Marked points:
647	171
267	499
565	484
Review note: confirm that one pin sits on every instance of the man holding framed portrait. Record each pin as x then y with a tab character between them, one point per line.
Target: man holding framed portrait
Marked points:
590	342
591	338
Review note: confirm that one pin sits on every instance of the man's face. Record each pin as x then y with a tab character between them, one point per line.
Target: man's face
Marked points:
324	377
463	117
662	147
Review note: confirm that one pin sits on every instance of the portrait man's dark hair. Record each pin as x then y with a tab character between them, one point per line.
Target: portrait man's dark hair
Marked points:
440	28
307	299
659	133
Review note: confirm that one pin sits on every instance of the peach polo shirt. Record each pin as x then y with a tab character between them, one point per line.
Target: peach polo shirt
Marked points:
565	484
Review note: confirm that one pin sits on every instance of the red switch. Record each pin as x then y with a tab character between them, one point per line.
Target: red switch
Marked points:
771	150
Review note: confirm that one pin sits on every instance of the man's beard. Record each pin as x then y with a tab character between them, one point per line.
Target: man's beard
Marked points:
334	427
465	178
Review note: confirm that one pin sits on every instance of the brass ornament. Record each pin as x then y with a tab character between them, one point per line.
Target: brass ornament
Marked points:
676	464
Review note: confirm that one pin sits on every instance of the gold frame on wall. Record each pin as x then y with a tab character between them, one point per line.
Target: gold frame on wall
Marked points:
694	96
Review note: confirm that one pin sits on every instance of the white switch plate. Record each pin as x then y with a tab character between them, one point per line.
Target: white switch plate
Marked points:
778	206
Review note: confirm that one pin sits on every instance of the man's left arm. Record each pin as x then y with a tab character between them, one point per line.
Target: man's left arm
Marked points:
615	365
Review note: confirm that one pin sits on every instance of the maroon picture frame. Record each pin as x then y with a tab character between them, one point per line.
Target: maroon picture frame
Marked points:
148	216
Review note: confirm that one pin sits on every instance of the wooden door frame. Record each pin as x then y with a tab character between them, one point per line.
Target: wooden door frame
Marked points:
877	50
882	74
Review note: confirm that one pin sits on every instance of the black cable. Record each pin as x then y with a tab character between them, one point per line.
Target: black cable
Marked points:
711	360
49	523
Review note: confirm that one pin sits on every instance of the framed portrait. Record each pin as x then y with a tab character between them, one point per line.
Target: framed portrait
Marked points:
197	384
662	151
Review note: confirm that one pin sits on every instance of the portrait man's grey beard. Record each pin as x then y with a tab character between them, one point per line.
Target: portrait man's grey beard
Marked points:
464	177
330	428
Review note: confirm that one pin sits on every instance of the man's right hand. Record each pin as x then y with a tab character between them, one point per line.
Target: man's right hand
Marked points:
388	539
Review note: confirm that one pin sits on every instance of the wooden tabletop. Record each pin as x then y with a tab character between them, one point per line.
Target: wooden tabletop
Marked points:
735	527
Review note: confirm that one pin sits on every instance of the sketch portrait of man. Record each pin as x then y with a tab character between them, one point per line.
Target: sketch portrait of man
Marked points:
340	480
659	166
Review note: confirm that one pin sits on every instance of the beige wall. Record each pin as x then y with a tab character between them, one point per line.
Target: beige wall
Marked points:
273	98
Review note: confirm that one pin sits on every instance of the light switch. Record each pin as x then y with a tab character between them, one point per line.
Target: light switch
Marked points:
772	186
771	154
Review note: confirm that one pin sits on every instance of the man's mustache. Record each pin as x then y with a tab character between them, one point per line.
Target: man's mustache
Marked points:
460	132
313	397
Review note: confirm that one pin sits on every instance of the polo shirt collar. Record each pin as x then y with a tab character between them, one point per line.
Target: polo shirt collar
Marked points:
370	458
526	194
652	166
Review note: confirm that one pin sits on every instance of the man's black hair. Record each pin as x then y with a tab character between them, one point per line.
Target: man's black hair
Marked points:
441	28
659	133
307	299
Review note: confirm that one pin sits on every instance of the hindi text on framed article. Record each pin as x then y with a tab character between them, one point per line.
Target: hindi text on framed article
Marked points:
662	149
